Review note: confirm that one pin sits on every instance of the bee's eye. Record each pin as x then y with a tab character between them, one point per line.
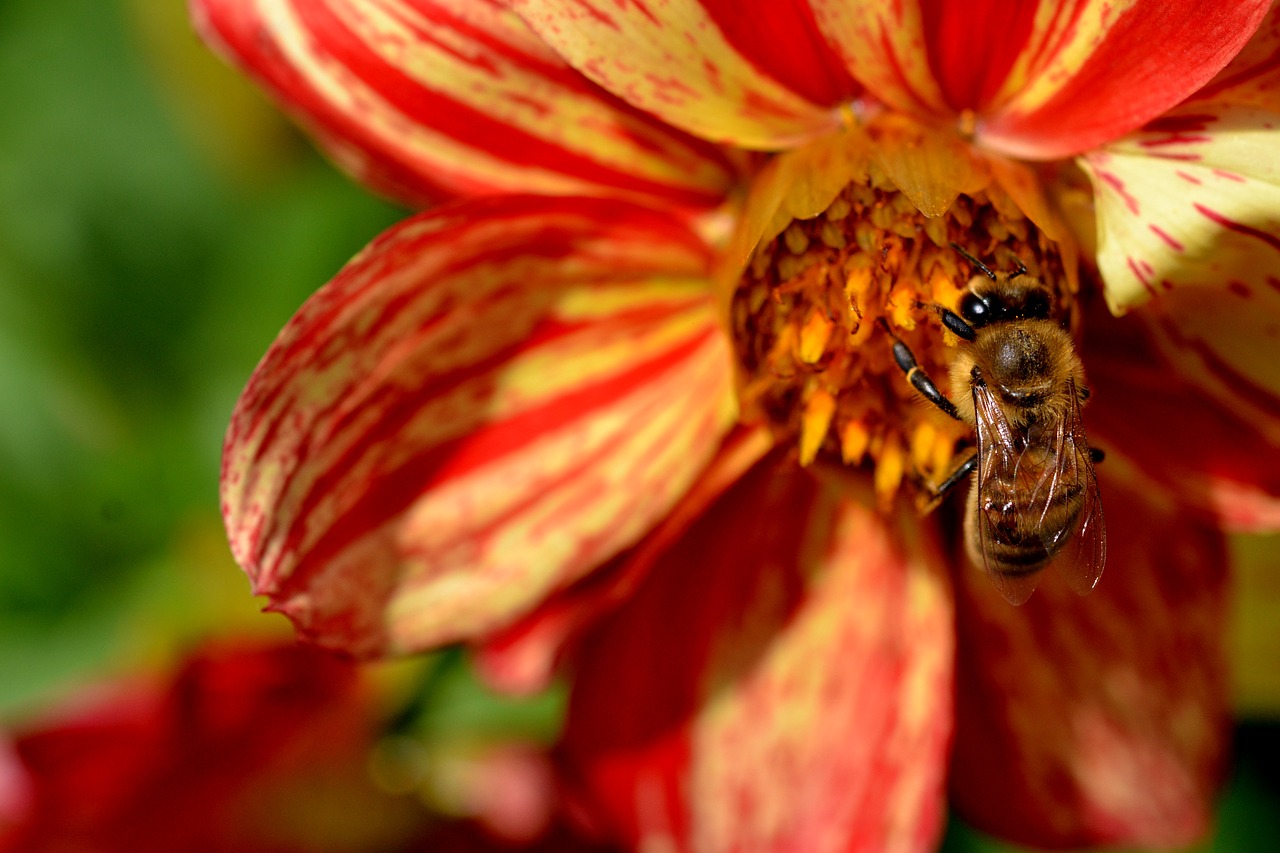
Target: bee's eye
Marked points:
1037	305
974	309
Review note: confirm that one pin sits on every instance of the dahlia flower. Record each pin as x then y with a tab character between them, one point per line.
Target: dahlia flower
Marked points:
625	405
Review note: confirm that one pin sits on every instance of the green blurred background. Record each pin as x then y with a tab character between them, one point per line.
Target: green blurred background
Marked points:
158	225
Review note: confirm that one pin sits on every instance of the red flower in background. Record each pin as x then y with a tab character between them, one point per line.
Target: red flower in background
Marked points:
252	749
509	421
215	759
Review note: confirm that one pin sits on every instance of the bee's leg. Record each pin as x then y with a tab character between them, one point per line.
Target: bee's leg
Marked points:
935	494
917	377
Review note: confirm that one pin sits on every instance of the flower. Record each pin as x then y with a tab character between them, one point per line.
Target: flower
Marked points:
510	421
239	749
252	747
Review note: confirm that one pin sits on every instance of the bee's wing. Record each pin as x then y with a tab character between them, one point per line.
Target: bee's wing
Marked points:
1082	556
1002	476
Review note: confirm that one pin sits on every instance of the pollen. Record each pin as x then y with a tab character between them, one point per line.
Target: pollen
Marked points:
809	319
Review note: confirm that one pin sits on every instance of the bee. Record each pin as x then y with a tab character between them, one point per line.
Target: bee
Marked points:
1018	382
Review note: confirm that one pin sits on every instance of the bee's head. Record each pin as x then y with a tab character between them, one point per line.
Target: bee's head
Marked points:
1000	297
1007	297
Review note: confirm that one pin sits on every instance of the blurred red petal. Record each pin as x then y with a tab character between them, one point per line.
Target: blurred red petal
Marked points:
430	99
780	681
1224	347
1199	450
16	789
751	73
487	403
473	837
186	765
1099	720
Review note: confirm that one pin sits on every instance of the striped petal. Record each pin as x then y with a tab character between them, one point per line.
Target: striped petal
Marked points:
780	682
1189	209
488	402
882	42
1092	70
755	74
430	99
1046	79
1099	721
524	657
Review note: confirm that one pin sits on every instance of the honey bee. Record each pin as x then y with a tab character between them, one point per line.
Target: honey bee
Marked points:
1019	384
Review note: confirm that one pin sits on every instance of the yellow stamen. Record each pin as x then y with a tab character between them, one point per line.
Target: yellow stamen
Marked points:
854	440
796	239
818	411
889	470
814	337
942	458
923	439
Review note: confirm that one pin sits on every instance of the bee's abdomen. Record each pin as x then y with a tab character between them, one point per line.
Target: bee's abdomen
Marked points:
1017	558
1023	531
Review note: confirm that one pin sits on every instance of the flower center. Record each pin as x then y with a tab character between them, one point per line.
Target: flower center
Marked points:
813	310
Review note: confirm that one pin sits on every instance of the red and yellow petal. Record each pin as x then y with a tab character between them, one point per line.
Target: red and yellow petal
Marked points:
1191	201
753	74
1099	721
524	657
1041	80
1090	71
883	44
780	681
431	99
1189	211
488	402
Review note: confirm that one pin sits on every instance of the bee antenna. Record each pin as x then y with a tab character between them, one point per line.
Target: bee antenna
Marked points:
977	263
1022	269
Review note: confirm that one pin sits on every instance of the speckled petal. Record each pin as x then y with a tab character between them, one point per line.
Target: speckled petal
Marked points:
780	682
755	74
488	402
431	99
1099	721
1189	211
1191	201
